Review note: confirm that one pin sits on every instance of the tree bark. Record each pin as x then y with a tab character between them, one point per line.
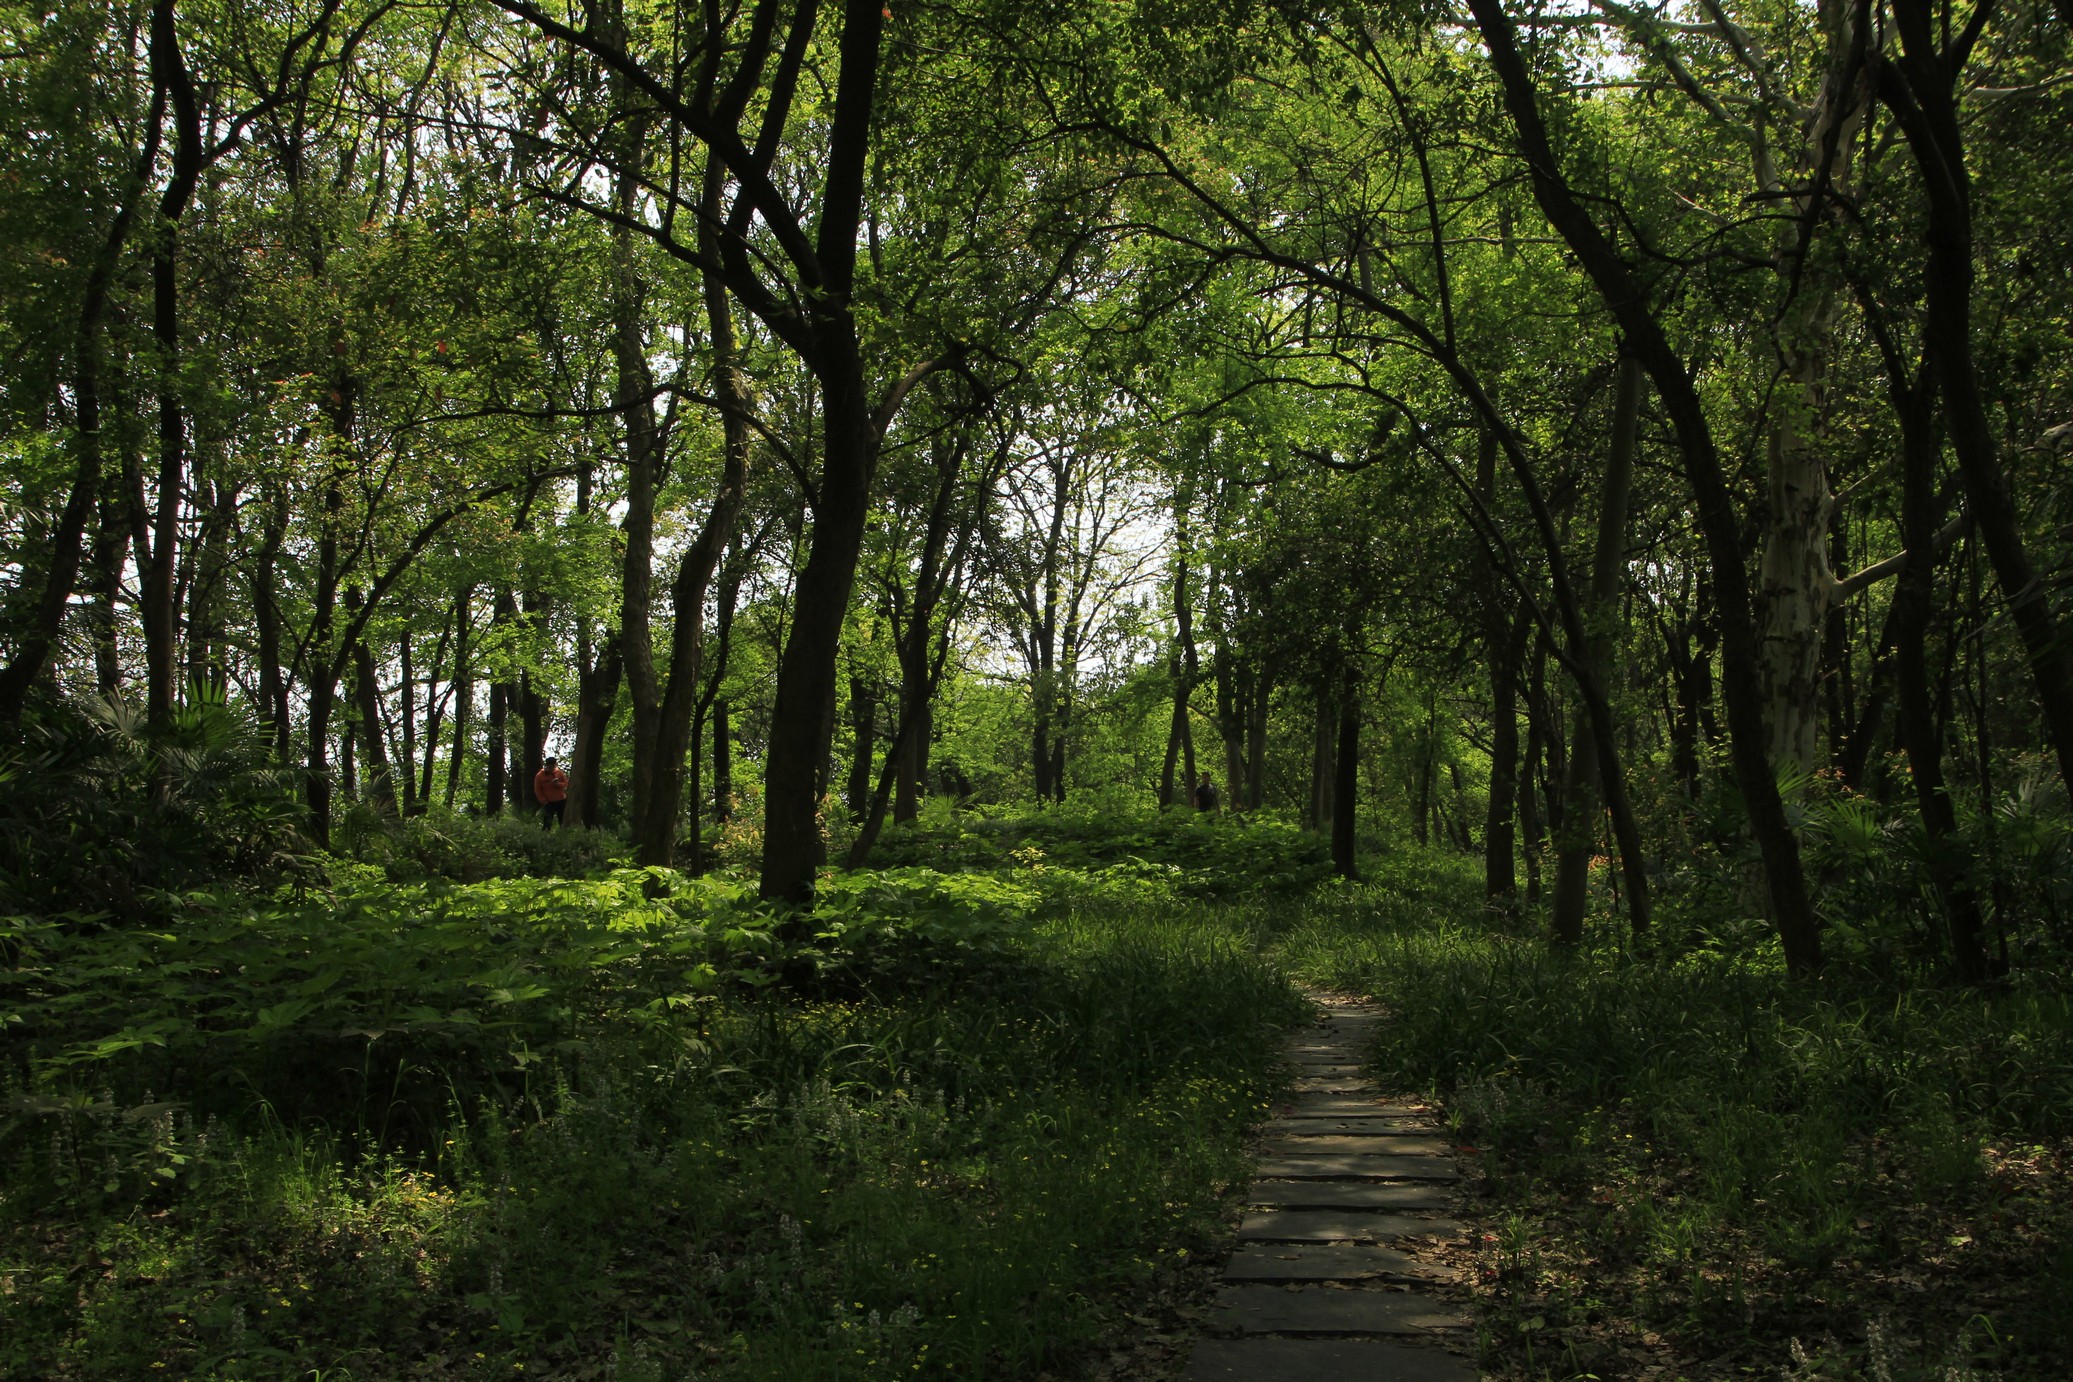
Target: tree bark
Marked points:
1421	802
800	722
463	694
598	670
1507	651
1505	631
1531	837
496	760
1346	783
597	696
408	704
863	729
1323	758
1183	664
1256	740
266	617
435	717
1580	798
723	760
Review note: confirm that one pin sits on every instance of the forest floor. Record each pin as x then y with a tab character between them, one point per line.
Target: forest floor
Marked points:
1679	1167
409	1127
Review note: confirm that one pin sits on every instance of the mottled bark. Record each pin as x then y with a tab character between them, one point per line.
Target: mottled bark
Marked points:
1577	841
1346	784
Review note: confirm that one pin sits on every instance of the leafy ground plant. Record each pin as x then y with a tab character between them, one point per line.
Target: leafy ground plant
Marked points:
571	1131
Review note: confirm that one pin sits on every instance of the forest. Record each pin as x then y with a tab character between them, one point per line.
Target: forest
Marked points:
690	690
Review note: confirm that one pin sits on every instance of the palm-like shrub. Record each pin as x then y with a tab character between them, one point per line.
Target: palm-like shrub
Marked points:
103	817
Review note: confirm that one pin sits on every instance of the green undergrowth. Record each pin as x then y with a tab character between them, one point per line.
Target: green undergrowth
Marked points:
469	849
1694	1165
628	1127
1221	854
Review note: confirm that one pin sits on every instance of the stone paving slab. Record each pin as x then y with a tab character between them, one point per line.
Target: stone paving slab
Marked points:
1331	1084
1327	1262
1346	1194
1332	1166
1337	1225
1341	1166
1322	1360
1287	1139
1281	1310
1385	1126
1323	1104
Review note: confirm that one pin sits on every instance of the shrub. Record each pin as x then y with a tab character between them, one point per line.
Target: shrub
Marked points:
103	816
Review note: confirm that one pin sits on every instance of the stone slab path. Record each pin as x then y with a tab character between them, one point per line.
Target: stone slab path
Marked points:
1324	1285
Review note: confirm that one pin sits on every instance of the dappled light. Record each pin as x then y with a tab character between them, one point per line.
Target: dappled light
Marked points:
1061	692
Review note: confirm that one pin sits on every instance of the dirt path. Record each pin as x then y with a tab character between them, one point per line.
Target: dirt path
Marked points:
1341	1235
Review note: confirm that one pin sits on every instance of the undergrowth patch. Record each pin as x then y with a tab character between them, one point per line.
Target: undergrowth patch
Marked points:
1692	1167
573	1129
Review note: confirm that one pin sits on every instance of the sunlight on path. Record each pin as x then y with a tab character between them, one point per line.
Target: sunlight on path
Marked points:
1326	1282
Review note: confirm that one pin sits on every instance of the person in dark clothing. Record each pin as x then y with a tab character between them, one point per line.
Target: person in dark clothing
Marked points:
551	790
1205	794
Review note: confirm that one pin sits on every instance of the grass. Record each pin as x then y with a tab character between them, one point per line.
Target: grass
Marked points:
631	1126
952	1162
1694	1168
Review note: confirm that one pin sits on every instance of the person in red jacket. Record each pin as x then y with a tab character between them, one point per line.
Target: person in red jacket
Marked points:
551	790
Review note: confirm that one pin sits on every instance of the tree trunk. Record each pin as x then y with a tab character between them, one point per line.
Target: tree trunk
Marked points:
533	715
801	727
1530	770
1256	742
1346	783
266	617
1796	587
1230	715
1914	596
496	759
1693	665
1507	650
916	695
409	709
105	562
597	696
1323	751
1183	664
1580	799
463	694
863	728
723	761
348	777
664	713
1505	631
435	719
374	746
